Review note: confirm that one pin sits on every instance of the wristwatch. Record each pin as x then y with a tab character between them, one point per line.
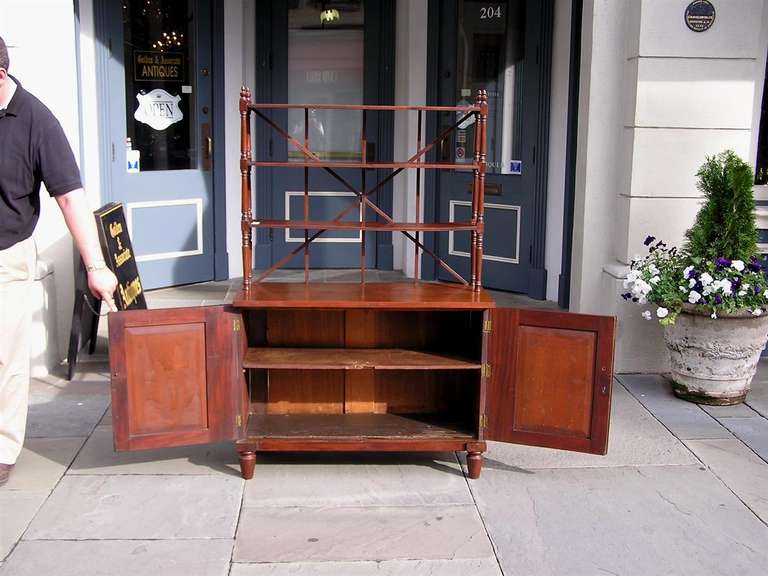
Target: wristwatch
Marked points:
97	266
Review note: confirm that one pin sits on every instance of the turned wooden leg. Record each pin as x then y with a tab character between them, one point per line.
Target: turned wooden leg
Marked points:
474	464
247	464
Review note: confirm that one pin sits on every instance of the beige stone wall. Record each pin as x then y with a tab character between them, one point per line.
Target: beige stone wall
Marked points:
659	100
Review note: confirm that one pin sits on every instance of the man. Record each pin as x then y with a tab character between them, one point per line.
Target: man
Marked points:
33	150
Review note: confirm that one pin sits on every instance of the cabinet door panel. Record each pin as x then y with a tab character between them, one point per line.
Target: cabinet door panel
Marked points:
550	381
175	378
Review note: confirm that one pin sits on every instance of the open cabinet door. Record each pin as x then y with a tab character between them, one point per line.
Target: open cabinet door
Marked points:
550	379
176	376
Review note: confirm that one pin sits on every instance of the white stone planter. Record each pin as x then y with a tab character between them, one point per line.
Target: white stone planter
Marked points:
713	360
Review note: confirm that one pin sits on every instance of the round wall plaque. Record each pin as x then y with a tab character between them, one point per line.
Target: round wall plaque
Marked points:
700	15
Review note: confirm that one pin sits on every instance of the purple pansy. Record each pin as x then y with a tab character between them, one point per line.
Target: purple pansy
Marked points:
648	240
754	264
718	299
722	263
627	295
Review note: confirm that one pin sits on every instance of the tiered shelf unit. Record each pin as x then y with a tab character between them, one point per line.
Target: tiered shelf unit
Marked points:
410	230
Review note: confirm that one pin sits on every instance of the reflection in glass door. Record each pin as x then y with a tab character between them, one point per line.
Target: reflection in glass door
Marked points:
321	52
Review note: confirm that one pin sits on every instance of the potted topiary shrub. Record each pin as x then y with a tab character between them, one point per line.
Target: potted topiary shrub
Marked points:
711	296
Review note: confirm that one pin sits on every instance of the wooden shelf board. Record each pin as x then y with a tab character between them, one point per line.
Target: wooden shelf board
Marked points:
395	226
391	107
360	165
380	295
353	359
334	427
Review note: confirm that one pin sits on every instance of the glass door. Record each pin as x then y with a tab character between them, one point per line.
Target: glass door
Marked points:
159	99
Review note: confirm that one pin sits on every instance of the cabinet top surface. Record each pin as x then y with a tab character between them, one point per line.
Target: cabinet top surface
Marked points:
397	296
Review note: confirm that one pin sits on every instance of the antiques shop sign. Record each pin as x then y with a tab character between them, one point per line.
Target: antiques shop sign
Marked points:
158	66
117	249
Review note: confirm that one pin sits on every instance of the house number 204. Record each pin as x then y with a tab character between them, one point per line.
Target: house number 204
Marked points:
489	12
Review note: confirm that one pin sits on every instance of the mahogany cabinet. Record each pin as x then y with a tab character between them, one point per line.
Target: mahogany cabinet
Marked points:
360	367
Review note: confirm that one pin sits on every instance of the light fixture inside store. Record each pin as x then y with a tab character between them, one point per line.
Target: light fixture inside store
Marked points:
330	15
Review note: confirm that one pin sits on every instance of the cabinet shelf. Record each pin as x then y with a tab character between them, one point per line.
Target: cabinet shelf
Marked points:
340	427
365	165
378	226
353	359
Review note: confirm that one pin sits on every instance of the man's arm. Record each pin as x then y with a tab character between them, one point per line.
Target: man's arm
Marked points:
79	218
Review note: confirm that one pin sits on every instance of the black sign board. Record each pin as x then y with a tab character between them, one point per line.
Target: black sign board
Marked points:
158	66
700	15
118	253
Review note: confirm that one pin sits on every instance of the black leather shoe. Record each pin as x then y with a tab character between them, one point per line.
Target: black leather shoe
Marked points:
5	472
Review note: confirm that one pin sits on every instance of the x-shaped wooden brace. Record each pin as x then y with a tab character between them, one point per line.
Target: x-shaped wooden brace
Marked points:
362	196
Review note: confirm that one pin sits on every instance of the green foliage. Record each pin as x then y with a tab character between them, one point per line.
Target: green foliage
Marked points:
725	226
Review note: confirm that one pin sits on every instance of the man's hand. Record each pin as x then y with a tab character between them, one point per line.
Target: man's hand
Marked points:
102	284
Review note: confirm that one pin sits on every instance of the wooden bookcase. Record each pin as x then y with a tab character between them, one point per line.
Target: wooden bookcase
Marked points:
411	366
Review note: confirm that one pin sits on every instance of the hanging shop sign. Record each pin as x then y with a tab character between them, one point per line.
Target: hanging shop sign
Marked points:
158	66
700	15
158	109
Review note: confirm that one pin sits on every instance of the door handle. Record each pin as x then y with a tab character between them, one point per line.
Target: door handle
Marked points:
207	146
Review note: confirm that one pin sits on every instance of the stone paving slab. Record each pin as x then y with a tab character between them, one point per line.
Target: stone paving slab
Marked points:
42	463
120	558
356	480
758	395
483	567
671	520
58	408
739	468
636	439
752	431
735	411
348	534
99	457
684	419
139	507
17	508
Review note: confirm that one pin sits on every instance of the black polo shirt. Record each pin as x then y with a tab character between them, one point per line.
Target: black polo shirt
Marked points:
33	149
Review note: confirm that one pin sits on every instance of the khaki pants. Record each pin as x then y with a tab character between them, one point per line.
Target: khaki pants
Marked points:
17	265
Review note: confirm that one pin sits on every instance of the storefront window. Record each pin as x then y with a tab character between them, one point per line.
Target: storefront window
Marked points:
325	65
490	47
159	54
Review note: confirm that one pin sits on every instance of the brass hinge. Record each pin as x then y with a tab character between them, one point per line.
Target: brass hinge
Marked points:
485	370
236	325
483	421
238	420
487	326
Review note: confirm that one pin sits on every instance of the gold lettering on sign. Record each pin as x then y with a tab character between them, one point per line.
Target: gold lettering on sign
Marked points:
131	291
115	228
123	257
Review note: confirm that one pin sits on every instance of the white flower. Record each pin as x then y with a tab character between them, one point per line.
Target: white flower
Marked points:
693	297
706	278
765	294
642	300
633	275
687	271
683	289
713	315
742	292
662	312
746	286
647	314
654	280
709	289
652	270
757	312
636	258
692	282
737	265
723	286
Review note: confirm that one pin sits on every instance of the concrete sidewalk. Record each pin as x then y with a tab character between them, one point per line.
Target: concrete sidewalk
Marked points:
682	491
